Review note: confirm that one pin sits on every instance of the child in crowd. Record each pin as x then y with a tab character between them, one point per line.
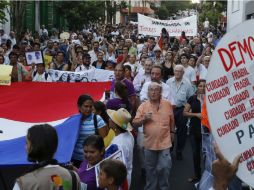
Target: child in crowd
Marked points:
113	173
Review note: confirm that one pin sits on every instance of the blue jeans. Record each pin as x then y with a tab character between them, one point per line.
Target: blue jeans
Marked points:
158	164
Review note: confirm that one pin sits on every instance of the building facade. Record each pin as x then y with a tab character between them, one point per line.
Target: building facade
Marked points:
39	13
134	7
239	11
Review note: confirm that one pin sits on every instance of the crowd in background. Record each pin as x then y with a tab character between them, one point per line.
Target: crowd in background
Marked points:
158	87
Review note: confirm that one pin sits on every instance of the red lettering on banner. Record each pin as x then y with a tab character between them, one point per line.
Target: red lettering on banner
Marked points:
218	95
243	47
232	49
251	102
147	29
248	116
249	45
233	112
238	97
247	154
239	73
242	84
216	83
225	129
250	165
226	67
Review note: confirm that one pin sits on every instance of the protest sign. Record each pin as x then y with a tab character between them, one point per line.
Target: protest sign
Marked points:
118	155
230	97
34	57
47	60
5	74
92	75
152	27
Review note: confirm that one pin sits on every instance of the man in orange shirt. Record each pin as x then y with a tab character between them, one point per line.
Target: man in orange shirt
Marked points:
156	115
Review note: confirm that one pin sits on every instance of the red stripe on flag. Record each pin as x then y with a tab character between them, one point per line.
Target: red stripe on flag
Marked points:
45	102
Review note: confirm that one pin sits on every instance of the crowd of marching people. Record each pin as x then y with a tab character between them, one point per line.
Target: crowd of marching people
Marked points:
156	99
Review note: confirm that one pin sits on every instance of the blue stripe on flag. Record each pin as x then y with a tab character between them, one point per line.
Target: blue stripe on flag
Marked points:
12	152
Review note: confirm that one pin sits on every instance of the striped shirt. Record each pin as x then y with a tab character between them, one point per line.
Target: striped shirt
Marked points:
86	129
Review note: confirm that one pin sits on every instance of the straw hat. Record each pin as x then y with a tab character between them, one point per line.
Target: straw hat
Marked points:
121	117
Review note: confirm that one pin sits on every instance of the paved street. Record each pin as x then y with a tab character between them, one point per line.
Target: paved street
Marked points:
180	172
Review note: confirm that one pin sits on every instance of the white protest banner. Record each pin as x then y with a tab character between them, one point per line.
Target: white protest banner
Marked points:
152	27
92	75
230	97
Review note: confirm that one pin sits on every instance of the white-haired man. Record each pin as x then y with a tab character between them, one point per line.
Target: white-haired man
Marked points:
132	50
156	115
181	89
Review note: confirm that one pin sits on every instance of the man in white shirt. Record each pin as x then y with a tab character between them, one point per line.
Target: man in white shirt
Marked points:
143	76
206	25
181	90
189	72
156	75
115	32
3	37
135	66
86	64
43	32
199	68
93	53
12	38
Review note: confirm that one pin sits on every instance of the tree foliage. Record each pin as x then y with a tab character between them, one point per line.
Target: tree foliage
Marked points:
3	6
174	6
168	8
162	13
212	10
17	12
78	13
112	7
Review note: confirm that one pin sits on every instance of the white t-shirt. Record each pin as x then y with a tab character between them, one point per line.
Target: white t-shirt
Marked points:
139	78
41	78
93	56
166	93
125	142
189	73
83	68
206	24
140	47
115	33
201	71
134	67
